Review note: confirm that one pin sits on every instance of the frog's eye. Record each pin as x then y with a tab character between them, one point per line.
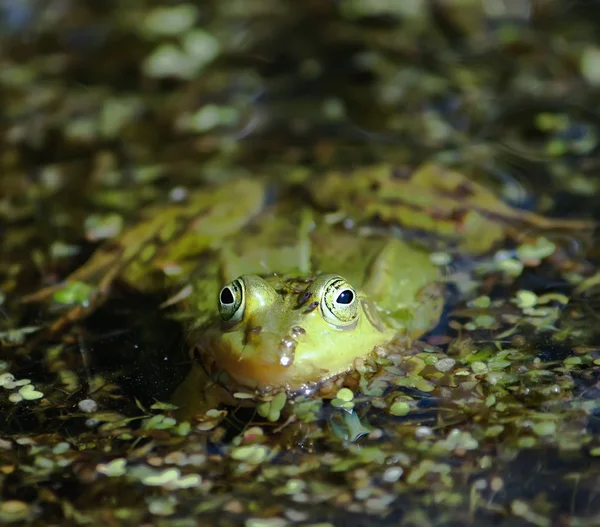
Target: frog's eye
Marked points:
231	301
339	302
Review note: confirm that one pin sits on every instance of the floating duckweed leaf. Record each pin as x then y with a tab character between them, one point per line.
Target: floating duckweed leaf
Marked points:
7	379
61	448
211	116
188	481
14	511
294	486
557	147
87	405
201	47
530	253
344	399
113	469
170	21
211	419
345	394
244	395
102	227
551	122
308	410
458	439
159	422
167	60
338	403
272	409
545	428
494	430
589	64
572	361
399	408
479	368
498	364
414	365
526	299
9	384
392	474
416	381
164	506
74	293
481	302
29	393
60	250
484	321
161	478
16	337
595	451
15	397
526	442
430	360
445	365
252	434
116	113
511	266
254	454
521	509
123	513
440	258
183	429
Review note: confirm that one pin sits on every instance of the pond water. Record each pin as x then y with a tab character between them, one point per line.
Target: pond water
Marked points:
469	128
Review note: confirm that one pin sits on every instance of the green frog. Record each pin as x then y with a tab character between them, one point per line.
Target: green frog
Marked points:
289	294
303	300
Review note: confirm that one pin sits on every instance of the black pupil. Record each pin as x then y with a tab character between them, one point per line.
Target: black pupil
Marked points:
226	296
345	297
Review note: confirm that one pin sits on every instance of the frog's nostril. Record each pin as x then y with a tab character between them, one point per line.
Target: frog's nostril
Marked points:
311	307
297	331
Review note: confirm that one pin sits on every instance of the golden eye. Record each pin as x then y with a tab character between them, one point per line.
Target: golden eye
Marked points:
339	302
232	301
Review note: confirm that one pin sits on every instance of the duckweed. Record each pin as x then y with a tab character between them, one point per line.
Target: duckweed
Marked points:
490	418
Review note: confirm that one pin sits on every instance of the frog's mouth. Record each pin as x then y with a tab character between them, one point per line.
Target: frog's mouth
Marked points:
260	365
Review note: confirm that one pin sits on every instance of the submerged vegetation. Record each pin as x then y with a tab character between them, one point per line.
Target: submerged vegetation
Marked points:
141	138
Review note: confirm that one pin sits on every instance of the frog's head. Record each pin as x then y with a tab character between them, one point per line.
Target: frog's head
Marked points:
290	333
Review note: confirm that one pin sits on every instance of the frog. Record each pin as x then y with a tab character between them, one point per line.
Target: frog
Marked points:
336	295
288	293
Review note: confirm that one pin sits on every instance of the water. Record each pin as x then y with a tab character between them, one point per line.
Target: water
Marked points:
493	418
